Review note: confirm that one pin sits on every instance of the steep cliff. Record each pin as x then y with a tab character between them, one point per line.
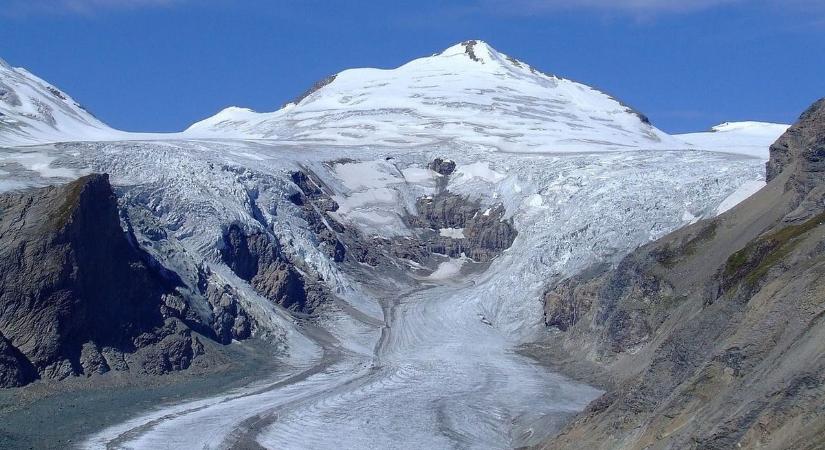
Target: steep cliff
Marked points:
75	295
711	337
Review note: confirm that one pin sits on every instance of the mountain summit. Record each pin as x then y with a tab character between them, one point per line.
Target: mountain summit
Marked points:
469	92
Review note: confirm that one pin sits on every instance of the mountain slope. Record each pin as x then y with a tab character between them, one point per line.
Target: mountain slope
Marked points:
469	92
713	334
34	111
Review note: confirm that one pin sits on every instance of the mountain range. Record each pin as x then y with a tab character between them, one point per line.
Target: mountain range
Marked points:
469	93
459	252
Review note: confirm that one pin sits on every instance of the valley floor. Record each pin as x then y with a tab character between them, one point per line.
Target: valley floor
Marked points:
439	377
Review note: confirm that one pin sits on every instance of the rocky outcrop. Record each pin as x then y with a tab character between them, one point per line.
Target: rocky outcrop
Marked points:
486	231
15	369
800	153
315	205
75	295
444	167
170	348
256	257
712	335
469	47
315	87
229	320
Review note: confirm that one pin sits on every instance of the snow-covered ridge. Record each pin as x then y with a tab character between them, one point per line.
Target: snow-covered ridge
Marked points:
750	126
743	138
33	111
469	92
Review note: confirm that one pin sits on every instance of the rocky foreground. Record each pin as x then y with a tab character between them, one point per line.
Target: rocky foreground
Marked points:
711	337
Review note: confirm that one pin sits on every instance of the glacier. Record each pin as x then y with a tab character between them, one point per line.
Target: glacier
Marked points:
414	355
428	363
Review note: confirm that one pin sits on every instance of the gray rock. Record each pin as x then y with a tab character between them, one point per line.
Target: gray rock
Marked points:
443	167
230	320
15	369
486	231
91	360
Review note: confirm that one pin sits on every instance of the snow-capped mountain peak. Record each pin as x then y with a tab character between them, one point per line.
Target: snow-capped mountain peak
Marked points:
478	51
469	93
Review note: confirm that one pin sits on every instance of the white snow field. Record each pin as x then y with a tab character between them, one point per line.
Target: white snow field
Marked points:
427	361
743	138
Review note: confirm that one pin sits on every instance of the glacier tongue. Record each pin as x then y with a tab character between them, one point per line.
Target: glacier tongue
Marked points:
421	361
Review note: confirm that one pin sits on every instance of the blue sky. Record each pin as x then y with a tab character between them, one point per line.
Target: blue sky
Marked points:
159	65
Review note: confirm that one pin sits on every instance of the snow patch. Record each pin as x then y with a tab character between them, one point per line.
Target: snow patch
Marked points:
418	175
752	139
448	269
739	195
42	164
454	233
479	169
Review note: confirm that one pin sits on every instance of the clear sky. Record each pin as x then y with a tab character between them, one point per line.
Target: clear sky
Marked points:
159	65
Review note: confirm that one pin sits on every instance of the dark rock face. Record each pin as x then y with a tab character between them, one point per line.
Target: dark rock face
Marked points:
803	142
488	234
622	304
567	303
15	369
170	348
442	166
256	257
72	288
446	210
315	204
315	87
713	334
230	320
469	49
